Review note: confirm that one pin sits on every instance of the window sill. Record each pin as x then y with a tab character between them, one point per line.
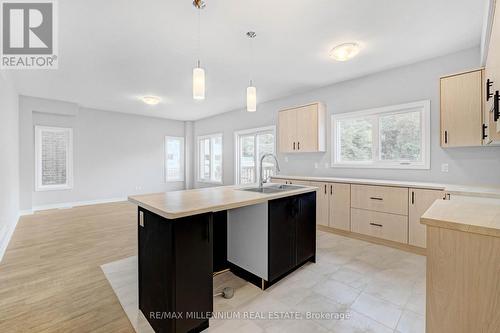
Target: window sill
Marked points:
380	166
210	182
53	188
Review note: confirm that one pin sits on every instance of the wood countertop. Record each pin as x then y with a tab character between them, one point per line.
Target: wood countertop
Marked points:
469	214
176	204
479	191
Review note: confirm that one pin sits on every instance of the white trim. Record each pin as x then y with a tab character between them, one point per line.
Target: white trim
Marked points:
209	136
181	159
236	146
425	107
38	165
486	33
66	205
7	236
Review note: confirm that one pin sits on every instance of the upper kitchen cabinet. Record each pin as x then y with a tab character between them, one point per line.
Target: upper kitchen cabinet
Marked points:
302	129
492	80
461	109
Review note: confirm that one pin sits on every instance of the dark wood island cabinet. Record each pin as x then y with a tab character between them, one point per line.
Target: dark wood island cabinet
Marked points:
179	252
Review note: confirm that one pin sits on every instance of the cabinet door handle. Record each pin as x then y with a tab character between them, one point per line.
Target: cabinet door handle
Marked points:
325	188
141	218
496	111
484	131
376	224
489	94
445	136
377	198
298	145
412	197
294	146
331	189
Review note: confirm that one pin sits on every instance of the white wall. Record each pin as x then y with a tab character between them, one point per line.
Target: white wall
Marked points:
115	154
401	85
9	163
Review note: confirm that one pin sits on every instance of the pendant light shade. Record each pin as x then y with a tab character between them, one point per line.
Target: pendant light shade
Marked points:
251	98
198	83
198	72
251	90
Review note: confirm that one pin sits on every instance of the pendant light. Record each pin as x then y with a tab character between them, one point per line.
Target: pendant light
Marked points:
251	90
198	71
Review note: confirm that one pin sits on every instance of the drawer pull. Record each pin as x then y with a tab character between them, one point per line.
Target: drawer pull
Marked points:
377	198
376	224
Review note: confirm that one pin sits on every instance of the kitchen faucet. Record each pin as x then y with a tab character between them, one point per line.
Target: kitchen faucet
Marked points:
261	181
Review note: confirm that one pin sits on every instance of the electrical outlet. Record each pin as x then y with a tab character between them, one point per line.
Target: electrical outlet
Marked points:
444	167
316	165
286	159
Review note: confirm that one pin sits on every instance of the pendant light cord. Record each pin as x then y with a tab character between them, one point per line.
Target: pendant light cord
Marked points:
199	36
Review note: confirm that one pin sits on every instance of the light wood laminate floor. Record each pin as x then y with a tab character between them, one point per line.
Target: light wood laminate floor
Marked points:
50	276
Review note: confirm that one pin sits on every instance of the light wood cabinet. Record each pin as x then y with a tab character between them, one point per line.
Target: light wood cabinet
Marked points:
340	206
380	198
419	201
381	225
302	129
322	203
333	204
462	109
492	76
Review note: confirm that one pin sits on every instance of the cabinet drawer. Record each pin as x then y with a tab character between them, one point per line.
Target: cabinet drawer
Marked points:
382	225
380	198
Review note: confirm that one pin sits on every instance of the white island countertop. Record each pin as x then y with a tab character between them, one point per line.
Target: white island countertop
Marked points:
176	204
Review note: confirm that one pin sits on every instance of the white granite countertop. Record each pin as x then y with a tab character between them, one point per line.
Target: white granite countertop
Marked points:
479	191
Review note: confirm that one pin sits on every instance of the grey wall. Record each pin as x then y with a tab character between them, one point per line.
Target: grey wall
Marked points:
115	154
405	84
9	160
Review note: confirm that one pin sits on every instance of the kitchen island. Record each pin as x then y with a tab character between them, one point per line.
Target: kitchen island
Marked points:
184	237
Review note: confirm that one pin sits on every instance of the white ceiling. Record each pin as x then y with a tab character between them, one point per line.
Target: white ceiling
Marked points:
111	52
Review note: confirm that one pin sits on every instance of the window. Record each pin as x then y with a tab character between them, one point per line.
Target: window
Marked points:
389	137
250	145
53	158
210	158
174	159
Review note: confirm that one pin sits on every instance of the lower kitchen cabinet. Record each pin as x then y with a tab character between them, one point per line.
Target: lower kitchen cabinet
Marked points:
292	233
174	256
340	206
333	205
322	203
419	201
387	226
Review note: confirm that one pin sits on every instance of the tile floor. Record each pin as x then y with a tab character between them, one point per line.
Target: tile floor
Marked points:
381	290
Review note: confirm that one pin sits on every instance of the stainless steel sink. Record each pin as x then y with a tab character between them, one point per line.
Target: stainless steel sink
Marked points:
272	188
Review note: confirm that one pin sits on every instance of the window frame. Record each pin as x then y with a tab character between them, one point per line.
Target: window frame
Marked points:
39	187
239	133
375	114
182	159
203	137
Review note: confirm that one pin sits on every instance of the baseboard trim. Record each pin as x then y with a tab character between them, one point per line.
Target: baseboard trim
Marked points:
67	205
7	237
379	241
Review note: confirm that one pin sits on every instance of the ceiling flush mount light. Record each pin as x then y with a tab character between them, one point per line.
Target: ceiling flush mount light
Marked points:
344	52
151	100
198	71
251	90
